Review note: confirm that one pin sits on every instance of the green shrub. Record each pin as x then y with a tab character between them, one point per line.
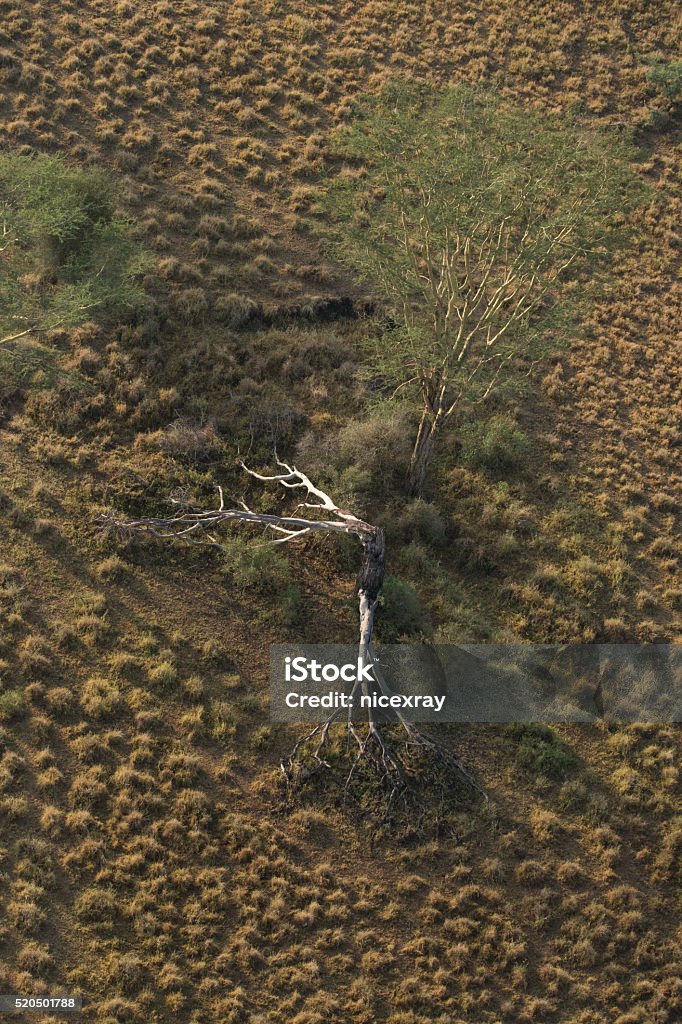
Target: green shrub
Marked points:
256	566
69	257
353	486
495	444
417	561
364	458
12	704
660	120
419	521
541	751
462	620
401	612
289	605
667	79
33	367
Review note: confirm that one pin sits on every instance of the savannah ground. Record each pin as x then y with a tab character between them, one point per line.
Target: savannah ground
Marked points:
148	855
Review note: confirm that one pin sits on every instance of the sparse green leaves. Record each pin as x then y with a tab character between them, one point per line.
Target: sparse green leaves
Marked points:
64	255
480	226
667	79
454	173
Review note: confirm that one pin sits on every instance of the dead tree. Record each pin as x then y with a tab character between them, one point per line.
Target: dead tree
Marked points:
391	760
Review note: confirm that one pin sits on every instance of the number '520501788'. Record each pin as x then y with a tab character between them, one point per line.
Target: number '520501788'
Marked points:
58	1004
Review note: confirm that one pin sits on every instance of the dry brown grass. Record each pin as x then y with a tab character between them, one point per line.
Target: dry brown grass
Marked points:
146	857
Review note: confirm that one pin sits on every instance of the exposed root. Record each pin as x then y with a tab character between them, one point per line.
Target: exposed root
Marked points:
400	767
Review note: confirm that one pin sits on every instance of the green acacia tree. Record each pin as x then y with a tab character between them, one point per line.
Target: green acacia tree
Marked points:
64	255
480	226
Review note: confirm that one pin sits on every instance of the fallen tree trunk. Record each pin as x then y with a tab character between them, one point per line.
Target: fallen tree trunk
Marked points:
391	760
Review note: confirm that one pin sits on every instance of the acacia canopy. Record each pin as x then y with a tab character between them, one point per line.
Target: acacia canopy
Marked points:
482	227
65	256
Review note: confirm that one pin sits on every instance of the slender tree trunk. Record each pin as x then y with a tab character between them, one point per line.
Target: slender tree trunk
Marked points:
368	586
421	455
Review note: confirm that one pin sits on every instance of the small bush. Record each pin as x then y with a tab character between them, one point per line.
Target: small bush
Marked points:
88	788
59	699
193	687
100	698
667	79
401	612
353	484
302	29
366	456
256	566
573	796
68	254
222	720
125	665
660	120
13	807
191	304
95	905
186	439
163	676
235	310
420	521
381	444
34	957
496	444
289	605
260	738
540	751
12	704
112	568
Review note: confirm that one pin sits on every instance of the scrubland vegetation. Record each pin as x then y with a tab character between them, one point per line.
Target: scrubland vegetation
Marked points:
149	858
